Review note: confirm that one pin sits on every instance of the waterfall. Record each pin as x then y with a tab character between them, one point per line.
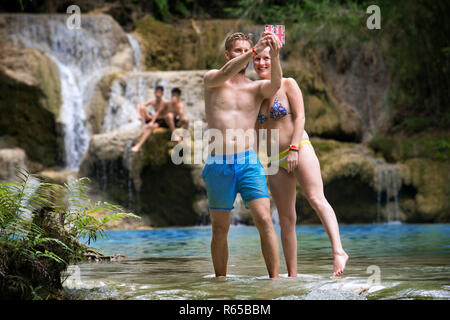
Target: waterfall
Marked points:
125	95
137	56
83	56
387	186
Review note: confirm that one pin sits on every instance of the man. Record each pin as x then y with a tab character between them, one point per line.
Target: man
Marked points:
177	108
232	102
142	111
148	120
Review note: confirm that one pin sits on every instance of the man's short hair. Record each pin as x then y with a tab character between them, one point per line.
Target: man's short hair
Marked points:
159	88
176	91
229	41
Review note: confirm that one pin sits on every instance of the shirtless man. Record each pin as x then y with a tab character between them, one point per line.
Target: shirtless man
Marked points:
162	118
142	111
148	120
177	108
232	102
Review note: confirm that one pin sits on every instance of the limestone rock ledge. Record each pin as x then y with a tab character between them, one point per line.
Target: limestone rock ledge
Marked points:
148	183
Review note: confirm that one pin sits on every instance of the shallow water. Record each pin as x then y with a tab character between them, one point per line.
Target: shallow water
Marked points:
386	262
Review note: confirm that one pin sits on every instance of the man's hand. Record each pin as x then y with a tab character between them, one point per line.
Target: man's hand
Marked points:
263	42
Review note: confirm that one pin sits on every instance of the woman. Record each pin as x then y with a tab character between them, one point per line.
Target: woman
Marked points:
298	160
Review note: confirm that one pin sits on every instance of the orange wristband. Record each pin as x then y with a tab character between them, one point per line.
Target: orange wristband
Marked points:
293	147
254	52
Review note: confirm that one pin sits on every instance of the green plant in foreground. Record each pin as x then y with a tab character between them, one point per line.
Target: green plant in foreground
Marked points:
41	226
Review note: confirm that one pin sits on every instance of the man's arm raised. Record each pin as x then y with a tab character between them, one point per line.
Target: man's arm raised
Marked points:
215	78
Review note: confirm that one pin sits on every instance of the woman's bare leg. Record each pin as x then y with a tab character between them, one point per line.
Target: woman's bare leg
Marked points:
310	179
282	186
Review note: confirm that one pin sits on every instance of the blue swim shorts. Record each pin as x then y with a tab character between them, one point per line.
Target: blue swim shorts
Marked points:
227	174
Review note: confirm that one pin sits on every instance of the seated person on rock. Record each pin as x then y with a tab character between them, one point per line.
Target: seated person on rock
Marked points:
176	108
148	120
144	114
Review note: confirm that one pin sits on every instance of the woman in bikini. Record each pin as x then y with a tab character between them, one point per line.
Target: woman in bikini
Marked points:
298	162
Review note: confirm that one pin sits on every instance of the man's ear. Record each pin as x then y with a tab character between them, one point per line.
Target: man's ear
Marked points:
227	55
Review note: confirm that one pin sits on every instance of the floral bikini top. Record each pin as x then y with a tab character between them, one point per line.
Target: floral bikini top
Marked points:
277	111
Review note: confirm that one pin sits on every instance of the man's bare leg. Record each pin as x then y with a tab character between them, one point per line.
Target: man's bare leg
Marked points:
147	132
260	210
184	122
282	186
170	120
220	222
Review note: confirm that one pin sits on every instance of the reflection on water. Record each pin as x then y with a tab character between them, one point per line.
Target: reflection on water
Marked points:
408	262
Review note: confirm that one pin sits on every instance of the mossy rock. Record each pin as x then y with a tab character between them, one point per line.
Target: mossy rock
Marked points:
426	192
160	43
31	99
349	183
147	182
325	116
393	149
188	45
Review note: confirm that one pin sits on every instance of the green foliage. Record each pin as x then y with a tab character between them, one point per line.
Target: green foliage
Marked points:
420	60
23	224
312	21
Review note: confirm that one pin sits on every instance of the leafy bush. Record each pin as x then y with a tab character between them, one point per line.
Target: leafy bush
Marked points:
41	226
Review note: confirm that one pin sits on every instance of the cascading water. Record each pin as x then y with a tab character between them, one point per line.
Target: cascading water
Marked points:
386	180
83	56
137	55
125	95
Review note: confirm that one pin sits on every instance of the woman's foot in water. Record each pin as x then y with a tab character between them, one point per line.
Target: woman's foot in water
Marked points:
340	259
